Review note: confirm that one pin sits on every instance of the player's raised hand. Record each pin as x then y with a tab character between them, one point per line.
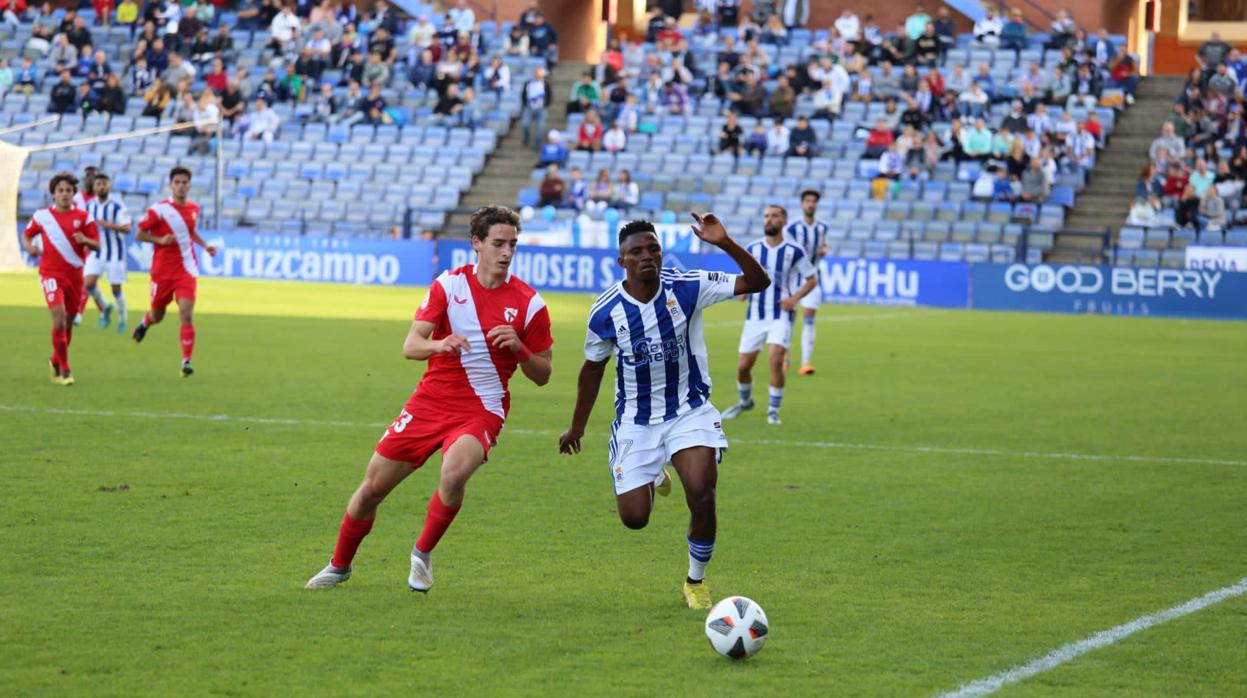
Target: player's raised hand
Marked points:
569	442
210	249
504	337
453	344
709	228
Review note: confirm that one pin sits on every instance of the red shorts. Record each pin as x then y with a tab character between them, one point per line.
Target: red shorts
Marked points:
63	290
165	288
424	427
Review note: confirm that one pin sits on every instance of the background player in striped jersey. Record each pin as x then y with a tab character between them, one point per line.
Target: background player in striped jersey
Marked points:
652	322
113	221
770	314
811	235
477	325
85	193
170	227
67	233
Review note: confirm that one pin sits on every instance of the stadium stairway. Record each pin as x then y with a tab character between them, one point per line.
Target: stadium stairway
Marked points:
1104	203
508	168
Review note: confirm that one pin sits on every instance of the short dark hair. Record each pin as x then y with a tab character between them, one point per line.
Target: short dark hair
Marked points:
811	192
179	170
100	175
637	226
62	177
487	217
779	208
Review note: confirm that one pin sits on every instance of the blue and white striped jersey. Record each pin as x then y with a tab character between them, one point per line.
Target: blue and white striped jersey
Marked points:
810	237
112	243
789	267
661	365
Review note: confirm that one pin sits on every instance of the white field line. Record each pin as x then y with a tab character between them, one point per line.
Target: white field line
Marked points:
1063	654
830	445
825	318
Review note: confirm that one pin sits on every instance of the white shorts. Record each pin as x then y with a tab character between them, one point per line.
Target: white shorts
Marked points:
758	333
115	270
639	451
814	298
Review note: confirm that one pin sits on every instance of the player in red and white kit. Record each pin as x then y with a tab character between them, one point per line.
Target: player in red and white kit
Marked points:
68	234
477	325
170	227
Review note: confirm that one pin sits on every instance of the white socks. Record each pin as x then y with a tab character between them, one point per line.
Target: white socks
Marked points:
807	343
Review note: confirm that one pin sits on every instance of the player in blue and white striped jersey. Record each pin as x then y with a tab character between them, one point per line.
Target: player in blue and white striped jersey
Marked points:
770	314
652	323
113	220
811	234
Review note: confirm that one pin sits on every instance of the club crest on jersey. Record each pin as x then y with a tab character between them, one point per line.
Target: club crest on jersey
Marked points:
509	314
673	308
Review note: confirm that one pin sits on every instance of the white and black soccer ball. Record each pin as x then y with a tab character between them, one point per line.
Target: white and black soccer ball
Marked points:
737	627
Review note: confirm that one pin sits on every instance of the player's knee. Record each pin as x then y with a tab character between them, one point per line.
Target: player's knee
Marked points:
702	501
635	520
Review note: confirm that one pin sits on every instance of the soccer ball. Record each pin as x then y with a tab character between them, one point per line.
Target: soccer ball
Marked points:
737	627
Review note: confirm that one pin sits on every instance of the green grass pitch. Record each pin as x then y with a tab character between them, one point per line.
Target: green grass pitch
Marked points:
927	514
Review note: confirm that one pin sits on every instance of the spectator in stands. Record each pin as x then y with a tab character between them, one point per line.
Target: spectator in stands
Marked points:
589	134
111	98
1060	87
1149	185
1080	148
1170	142
326	106
462	16
921	161
6	77
674	99
749	99
778	139
803	141
828	100
627	193
423	71
27	79
78	34
232	102
577	190
542	40
497	76
1187	210
86	99
1212	211
615	139
206	116
586	94
927	48
601	193
262	123
1013	35
976	141
783	99
973	102
156	99
375	70
449	104
878	140
1004	188
891	162
1201	177
535	98
1212	53
988	28
848	26
774	32
730	136
179	70
755	143
217	78
12	11
553	152
64	55
552	187
1086	91
1061	31
516	42
184	111
1222	81
63	98
284	31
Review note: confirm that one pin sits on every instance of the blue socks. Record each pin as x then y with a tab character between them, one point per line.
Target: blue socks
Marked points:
699	552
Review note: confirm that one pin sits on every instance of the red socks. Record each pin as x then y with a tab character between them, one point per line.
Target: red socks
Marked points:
60	349
188	341
435	524
350	535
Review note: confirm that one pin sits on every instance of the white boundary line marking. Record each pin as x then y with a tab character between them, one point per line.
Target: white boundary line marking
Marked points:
1065	653
990	452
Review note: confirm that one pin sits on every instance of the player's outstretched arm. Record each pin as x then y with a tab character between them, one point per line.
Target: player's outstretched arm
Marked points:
418	346
753	278
587	387
200	241
790	303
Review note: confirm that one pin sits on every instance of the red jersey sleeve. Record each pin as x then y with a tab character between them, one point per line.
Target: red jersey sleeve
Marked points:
150	221
433	309
33	228
537	328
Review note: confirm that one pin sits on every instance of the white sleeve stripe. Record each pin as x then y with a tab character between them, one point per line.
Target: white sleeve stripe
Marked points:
534	306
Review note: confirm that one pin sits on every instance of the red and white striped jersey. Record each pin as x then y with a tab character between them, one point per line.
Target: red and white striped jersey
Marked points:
458	304
167	218
61	255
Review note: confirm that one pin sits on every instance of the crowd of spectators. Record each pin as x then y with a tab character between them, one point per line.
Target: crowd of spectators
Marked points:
931	111
332	57
1198	164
